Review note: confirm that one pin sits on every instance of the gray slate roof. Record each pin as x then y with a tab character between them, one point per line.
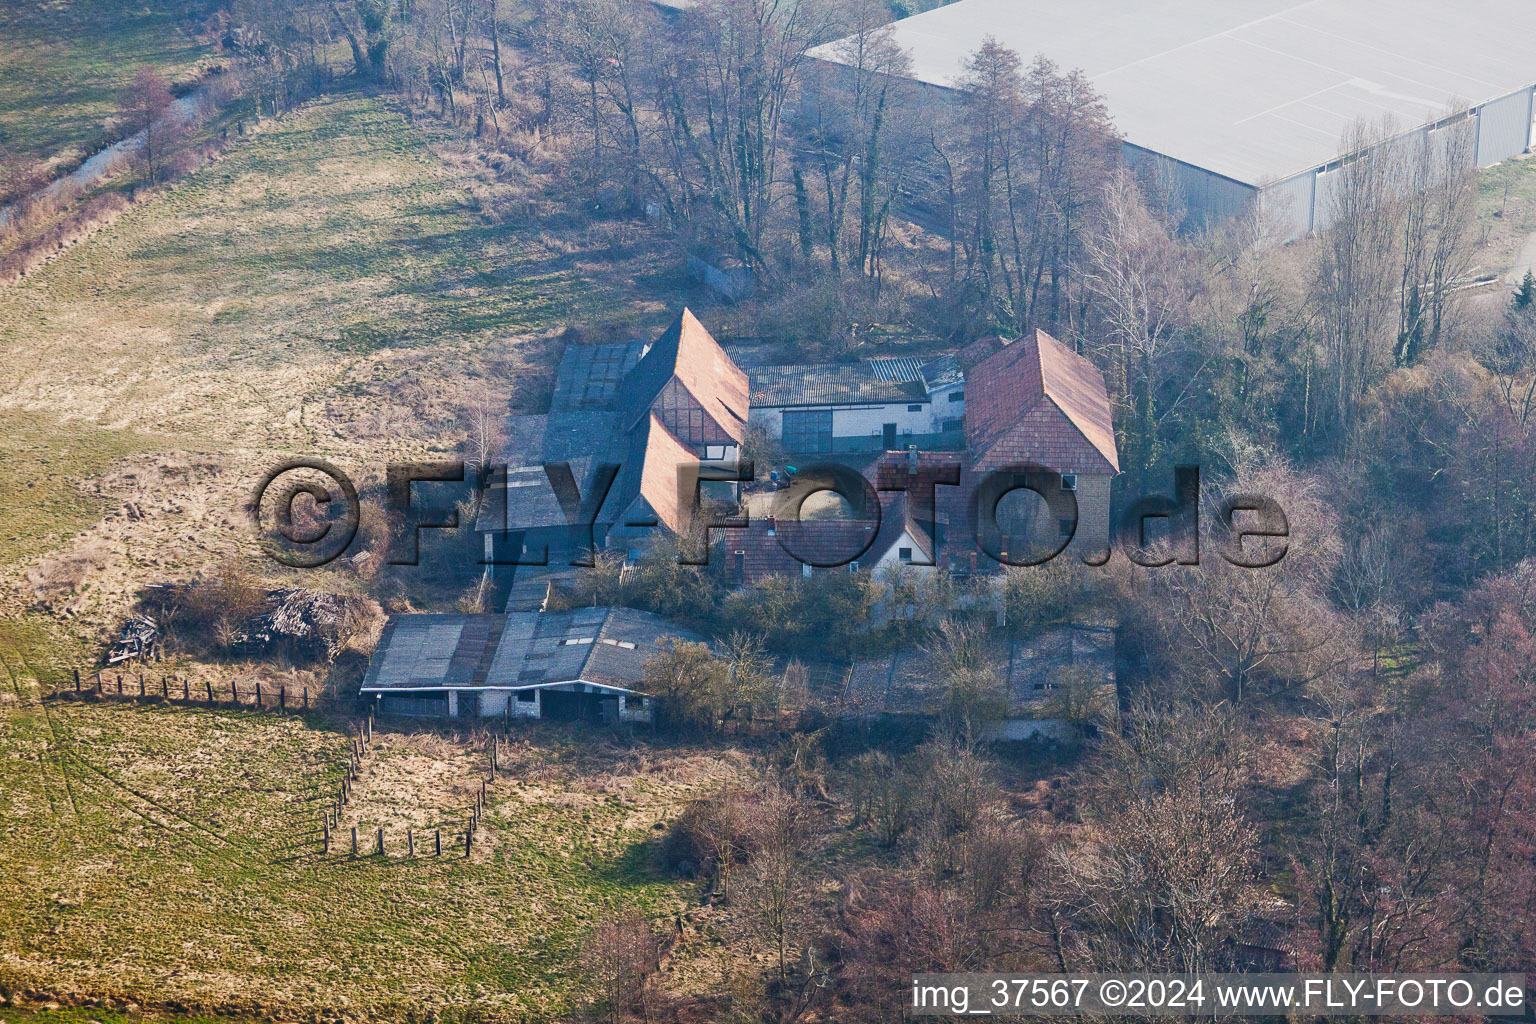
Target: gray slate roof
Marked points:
604	646
589	375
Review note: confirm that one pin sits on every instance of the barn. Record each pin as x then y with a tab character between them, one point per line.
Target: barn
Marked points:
584	664
1241	101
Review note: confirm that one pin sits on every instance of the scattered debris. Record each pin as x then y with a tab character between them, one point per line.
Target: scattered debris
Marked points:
140	638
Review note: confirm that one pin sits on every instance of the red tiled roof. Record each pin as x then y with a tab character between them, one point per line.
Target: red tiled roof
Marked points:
687	353
663	455
1037	401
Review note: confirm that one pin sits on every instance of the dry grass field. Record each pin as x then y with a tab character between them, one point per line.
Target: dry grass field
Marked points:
335	285
328	288
172	858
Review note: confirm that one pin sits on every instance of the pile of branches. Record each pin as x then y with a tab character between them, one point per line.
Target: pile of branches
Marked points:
312	621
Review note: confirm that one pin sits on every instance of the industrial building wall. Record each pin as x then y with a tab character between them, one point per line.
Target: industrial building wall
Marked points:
1208	198
1504	128
1289	204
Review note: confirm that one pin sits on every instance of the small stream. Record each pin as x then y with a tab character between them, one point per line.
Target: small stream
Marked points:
191	108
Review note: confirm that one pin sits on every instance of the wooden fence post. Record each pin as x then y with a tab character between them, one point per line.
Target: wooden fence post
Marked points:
282	698
410	843
327	825
234	693
258	695
165	688
186	692
354	840
119	684
306	697
437	835
468	838
77	680
381	840
141	684
210	692
98	684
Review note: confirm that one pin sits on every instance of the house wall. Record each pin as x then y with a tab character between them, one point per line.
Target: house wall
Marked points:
892	557
523	709
1208	198
635	709
686	418
1289	204
1090	540
860	428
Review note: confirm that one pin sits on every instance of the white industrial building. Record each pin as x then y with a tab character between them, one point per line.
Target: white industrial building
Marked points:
1241	100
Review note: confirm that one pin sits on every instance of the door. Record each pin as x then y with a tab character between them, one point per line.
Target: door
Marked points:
888	436
563	706
807	430
469	704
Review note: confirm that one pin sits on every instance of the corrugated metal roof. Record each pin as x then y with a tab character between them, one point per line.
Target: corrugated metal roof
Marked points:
901	370
1255	90
607	646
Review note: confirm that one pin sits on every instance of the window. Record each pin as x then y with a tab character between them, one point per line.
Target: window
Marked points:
853	566
621	702
805	569
1069	481
1068	527
905	554
914	408
527	696
957	396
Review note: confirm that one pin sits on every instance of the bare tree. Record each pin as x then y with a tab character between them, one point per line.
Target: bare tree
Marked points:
1132	268
1439	208
619	958
147	108
1356	277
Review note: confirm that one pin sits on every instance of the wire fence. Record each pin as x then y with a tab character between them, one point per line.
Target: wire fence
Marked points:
179	690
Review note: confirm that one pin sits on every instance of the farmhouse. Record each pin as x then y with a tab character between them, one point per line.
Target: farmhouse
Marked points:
1240	101
634	425
580	665
636	431
1036	402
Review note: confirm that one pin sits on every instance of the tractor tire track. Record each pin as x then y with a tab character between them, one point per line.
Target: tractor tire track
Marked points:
233	851
25	700
54	747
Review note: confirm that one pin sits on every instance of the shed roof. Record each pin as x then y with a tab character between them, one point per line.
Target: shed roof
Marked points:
1255	90
601	646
